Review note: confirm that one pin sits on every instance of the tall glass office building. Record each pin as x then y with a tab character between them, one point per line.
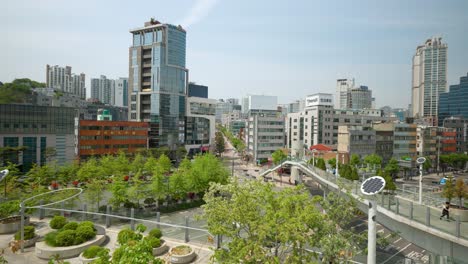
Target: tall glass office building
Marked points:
454	102
158	80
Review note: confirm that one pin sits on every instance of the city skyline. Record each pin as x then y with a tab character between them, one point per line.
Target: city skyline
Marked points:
261	50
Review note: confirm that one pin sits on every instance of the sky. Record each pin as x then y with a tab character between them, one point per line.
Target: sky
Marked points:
285	48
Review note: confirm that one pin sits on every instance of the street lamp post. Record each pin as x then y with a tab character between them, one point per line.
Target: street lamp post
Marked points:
420	161
337	159
371	187
313	157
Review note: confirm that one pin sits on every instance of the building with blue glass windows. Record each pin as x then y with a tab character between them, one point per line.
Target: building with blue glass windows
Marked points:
455	101
158	81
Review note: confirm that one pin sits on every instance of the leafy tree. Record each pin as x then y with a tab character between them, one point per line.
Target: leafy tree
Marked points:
449	189
460	190
94	191
262	226
10	184
67	172
427	164
158	187
205	169
392	167
137	164
43	175
321	164
164	163
150	164
373	159
137	191
219	143
332	162
278	156
177	185
355	160
161	151
90	169
121	164
119	192
18	90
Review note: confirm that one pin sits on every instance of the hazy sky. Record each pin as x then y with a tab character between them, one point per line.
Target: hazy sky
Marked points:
284	48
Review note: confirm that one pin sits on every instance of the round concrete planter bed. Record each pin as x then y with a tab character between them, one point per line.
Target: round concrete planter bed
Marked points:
12	224
45	251
182	259
86	260
161	249
29	242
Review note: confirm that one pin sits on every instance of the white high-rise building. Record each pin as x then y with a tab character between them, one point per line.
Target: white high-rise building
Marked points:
429	78
121	92
341	96
62	79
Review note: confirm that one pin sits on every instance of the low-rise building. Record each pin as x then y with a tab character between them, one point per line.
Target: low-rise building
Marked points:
358	140
95	137
460	125
37	128
199	123
403	136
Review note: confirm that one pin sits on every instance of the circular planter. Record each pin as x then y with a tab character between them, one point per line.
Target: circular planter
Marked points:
86	260
182	259
30	242
12	224
161	249
45	251
462	213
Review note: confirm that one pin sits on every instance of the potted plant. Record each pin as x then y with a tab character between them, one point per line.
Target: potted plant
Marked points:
91	254
159	245
182	254
29	238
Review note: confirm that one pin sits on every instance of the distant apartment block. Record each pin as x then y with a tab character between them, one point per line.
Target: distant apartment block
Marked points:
121	92
358	140
103	89
349	96
62	79
460	125
429	79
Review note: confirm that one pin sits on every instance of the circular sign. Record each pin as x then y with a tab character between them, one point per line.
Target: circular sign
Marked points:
373	185
3	174
421	160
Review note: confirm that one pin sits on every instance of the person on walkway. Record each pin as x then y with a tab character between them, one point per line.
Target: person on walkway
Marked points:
445	211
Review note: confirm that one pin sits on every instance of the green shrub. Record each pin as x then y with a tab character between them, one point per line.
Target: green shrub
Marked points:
50	239
118	254
85	232
156	232
9	208
65	238
126	235
70	226
28	233
58	222
92	251
87	223
153	241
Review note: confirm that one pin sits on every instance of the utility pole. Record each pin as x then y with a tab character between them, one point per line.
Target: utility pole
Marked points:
438	154
337	160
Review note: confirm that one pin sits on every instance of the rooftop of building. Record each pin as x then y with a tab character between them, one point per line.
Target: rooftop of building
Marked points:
153	23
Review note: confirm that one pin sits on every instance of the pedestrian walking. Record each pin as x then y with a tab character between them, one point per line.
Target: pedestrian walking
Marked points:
445	211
